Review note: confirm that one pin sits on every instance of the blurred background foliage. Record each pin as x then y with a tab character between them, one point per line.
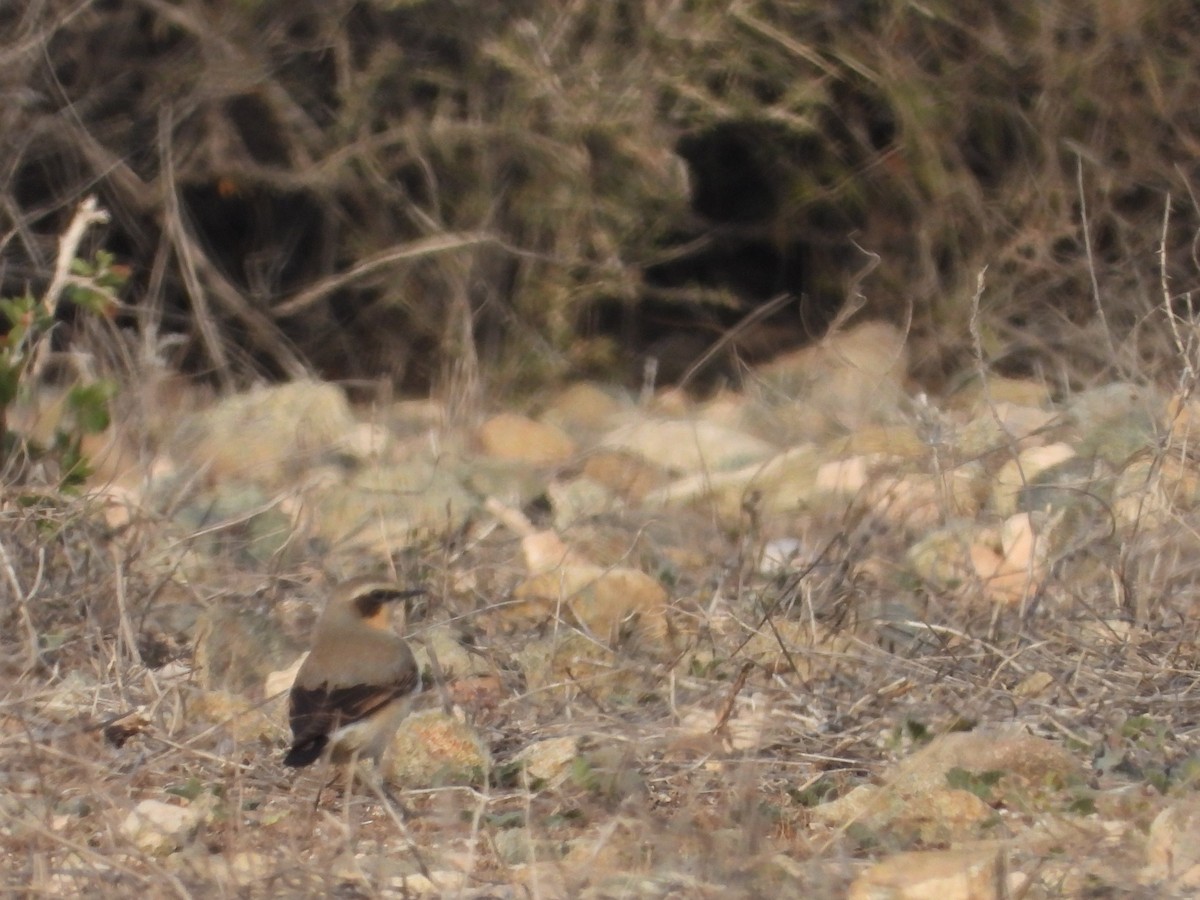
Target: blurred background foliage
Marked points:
442	192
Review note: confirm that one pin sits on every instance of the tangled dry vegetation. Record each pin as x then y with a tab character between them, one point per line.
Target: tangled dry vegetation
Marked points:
372	188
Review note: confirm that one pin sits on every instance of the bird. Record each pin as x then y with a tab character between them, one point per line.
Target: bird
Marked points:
357	683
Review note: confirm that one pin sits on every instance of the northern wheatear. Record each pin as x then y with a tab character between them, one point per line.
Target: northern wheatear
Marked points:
358	681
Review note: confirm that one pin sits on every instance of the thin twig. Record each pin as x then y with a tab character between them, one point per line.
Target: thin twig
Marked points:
440	243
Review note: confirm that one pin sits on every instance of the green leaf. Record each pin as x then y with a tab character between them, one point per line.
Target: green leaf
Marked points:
189	790
10	382
978	783
89	298
510	819
89	403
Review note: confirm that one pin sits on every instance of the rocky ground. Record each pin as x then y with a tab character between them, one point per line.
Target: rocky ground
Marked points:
818	637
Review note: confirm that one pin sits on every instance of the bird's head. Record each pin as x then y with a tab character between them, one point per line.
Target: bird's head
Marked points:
366	601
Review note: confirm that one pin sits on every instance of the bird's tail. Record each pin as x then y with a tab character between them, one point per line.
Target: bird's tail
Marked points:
306	753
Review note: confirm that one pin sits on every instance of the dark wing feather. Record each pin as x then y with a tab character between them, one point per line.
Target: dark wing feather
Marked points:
316	713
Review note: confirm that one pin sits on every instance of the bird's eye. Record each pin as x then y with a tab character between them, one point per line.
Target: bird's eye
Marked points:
368	605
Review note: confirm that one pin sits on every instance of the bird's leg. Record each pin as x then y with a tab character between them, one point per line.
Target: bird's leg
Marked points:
377	784
348	797
403	811
322	783
399	814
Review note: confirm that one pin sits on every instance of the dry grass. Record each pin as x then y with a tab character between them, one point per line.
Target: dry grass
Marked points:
694	775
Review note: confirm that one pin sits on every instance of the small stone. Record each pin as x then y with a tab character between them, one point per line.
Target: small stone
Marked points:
549	760
1173	847
1032	467
160	828
583	405
688	447
432	748
934	875
266	435
1037	762
623	473
849	379
444	640
783	555
508	436
605	602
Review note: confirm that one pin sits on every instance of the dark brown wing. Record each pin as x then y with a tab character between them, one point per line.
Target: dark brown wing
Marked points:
316	713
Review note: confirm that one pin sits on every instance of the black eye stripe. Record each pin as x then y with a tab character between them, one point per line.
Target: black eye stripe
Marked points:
368	604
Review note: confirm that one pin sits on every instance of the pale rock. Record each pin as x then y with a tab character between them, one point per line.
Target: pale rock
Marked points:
267	434
74	696
1013	572
998	391
626	474
506	481
160	828
516	846
1152	490
508	436
844	477
439	883
1006	565
607	603
398	876
543	551
121	504
444	640
239	869
585	406
1003	428
849	379
1173	846
414	417
783	555
1036	762
578	499
938	816
244	721
1034	685
854	806
547	880
934	875
366	441
238	646
1029	469
1109	403
277	683
557	665
745	729
379	508
900	443
943	557
688	447
726	407
432	749
784	483
230	515
1116	421
799	647
550	760
921	502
